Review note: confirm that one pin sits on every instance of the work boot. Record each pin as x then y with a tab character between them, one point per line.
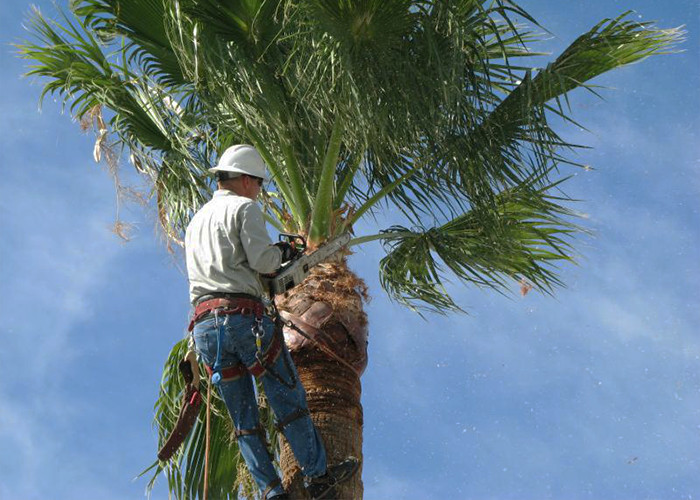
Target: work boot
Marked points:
324	486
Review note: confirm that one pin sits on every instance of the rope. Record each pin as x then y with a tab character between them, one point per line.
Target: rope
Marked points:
206	441
321	345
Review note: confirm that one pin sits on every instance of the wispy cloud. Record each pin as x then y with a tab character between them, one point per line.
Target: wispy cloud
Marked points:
55	260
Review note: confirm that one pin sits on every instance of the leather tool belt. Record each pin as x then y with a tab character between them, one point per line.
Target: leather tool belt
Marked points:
227	305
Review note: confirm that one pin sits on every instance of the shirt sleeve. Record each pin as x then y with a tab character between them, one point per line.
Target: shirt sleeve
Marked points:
262	255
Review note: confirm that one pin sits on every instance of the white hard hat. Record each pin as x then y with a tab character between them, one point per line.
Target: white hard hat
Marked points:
242	159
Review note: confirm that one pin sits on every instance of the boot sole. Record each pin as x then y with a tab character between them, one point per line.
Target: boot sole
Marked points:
341	480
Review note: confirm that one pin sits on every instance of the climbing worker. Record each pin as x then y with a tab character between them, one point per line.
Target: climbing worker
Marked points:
227	247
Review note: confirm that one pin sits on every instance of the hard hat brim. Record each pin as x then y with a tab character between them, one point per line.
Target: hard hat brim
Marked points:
234	170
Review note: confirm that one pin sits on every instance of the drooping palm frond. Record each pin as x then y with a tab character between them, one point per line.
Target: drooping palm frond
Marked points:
166	140
142	26
523	238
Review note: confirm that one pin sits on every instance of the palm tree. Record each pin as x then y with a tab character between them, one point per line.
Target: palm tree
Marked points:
430	110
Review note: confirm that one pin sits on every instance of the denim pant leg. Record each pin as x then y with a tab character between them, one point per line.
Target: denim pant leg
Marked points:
301	433
239	396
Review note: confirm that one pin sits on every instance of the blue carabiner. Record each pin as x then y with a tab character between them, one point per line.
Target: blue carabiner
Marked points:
216	369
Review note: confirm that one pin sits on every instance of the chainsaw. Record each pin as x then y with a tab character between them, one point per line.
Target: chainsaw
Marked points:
294	271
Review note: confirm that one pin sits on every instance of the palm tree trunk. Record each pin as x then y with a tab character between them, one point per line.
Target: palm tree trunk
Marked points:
328	308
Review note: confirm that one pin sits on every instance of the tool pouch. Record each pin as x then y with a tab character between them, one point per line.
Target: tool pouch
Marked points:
189	410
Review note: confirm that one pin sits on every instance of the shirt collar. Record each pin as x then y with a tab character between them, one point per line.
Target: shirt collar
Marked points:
223	192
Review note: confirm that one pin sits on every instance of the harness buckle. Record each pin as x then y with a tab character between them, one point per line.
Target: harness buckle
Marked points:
258	332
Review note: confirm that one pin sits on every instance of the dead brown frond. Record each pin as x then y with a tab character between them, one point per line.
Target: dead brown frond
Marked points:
110	152
525	287
123	230
111	155
92	119
164	224
134	195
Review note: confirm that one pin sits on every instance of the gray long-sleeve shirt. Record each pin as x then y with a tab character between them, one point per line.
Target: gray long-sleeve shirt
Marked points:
227	245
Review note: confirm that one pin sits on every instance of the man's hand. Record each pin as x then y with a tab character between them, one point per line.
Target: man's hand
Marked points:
288	250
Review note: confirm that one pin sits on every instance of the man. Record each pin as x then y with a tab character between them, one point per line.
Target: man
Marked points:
227	247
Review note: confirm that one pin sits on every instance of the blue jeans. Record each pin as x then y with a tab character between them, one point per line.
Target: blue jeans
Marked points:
238	346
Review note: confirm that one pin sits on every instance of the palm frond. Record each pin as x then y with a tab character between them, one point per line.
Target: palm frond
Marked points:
480	149
162	131
523	238
321	216
185	471
610	44
143	24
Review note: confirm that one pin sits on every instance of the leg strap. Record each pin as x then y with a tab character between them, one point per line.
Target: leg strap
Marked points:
228	373
256	369
250	432
256	431
273	350
295	415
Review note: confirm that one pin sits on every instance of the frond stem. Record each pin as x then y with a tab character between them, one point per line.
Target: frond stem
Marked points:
345	186
275	171
394	235
320	219
386	190
301	207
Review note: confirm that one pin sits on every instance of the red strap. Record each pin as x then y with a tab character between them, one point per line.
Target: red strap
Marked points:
228	373
256	369
317	336
270	356
229	306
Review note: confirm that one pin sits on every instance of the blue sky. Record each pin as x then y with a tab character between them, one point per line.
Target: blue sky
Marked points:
592	394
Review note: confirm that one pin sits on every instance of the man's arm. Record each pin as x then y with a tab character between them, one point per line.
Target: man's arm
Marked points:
262	255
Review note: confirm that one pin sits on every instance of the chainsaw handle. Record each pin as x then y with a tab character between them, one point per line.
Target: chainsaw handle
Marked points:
294	240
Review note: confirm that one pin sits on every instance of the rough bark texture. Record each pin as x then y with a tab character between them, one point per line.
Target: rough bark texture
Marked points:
330	302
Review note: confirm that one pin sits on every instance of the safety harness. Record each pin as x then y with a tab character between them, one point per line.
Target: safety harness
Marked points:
226	305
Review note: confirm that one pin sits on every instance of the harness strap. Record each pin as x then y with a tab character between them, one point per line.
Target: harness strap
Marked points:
256	369
295	415
249	432
314	335
228	373
255	431
227	306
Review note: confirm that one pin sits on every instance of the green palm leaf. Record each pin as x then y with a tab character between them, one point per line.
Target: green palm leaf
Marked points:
527	233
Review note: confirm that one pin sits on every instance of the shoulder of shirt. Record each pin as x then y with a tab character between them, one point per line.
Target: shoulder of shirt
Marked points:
231	198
